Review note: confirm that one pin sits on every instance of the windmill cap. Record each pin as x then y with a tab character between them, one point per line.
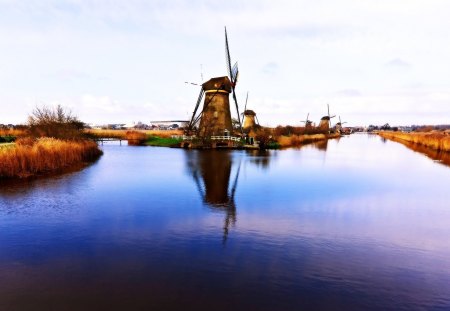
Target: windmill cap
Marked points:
325	118
219	83
249	113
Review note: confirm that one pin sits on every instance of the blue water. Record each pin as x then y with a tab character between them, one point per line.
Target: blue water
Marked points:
354	224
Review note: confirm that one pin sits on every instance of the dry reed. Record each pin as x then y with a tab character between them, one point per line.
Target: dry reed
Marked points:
136	138
122	133
434	140
299	140
28	157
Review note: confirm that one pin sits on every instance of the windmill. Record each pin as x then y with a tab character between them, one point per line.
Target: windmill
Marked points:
215	117
308	123
248	117
338	125
325	122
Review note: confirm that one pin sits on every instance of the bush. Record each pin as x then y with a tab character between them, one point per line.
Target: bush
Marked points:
56	123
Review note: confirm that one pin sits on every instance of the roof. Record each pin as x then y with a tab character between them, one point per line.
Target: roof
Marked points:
219	83
249	113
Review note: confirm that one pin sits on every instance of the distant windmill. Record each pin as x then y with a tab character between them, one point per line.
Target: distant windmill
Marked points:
338	125
215	117
325	122
308	123
248	117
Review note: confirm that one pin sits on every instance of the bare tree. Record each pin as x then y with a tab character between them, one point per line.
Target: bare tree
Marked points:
55	122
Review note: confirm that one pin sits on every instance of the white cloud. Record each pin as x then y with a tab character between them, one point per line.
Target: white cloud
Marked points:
294	57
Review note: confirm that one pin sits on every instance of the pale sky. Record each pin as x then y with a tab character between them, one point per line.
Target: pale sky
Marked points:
122	61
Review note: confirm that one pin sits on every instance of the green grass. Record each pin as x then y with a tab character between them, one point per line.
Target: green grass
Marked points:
7	139
161	142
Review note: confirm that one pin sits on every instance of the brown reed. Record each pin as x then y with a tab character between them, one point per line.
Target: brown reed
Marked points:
136	138
30	157
434	140
299	140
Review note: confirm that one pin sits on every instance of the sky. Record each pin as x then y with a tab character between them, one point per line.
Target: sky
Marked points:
372	61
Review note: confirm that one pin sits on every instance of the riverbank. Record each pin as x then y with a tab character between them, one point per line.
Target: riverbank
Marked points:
300	140
434	140
30	157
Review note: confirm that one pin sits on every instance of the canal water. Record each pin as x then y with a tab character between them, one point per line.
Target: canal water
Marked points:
358	223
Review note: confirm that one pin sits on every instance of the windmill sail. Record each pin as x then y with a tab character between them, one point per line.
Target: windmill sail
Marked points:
233	80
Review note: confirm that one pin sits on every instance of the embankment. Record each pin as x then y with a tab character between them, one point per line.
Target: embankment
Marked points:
299	140
434	140
45	155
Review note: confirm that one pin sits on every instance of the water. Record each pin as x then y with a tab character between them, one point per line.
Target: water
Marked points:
357	224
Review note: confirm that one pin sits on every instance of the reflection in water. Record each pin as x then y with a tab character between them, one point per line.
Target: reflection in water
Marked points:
441	157
321	145
260	158
211	170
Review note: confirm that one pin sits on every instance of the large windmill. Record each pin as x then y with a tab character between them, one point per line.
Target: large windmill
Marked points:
215	117
325	122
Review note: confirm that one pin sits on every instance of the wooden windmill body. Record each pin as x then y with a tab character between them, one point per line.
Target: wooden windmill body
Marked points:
216	115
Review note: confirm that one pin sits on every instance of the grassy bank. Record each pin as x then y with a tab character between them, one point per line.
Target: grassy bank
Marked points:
35	157
299	140
162	141
434	140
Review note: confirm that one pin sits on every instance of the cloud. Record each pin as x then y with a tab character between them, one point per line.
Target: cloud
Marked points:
398	63
270	68
349	93
70	75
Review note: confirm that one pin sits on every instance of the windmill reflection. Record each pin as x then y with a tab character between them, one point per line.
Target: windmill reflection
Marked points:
212	170
321	145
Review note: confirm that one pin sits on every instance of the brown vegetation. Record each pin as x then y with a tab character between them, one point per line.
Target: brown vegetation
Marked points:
434	140
13	132
54	122
136	138
299	140
30	157
122	134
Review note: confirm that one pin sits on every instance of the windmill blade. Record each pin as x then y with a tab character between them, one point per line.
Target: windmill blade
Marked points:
234	73
227	54
328	108
256	117
199	100
245	107
233	82
307	117
340	119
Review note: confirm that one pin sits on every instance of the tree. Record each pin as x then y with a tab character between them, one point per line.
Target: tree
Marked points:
55	122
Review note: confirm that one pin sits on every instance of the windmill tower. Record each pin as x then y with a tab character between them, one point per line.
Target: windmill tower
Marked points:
250	119
325	122
215	117
338	125
308	123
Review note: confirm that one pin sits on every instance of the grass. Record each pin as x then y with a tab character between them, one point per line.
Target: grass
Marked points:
435	140
162	141
30	157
